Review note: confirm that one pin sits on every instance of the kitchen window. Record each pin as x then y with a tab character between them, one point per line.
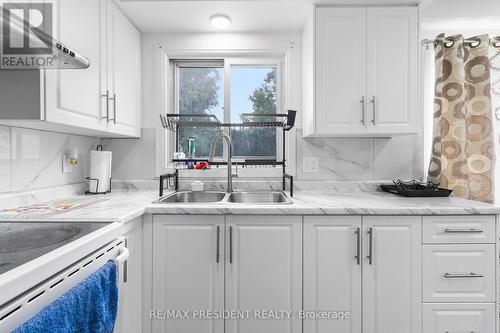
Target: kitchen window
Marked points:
228	88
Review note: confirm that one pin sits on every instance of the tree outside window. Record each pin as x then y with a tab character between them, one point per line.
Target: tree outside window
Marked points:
254	89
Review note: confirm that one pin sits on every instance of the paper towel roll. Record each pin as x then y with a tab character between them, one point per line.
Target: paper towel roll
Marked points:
100	168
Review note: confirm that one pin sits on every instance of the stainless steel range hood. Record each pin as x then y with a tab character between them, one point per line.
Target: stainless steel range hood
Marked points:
49	53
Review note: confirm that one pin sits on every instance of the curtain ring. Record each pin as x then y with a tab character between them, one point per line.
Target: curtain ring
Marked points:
449	43
496	42
475	40
450	40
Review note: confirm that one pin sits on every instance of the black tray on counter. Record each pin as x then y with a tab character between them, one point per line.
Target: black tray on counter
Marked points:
416	190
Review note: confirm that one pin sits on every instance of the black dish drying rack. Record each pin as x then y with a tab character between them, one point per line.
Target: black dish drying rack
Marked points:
174	121
285	121
415	188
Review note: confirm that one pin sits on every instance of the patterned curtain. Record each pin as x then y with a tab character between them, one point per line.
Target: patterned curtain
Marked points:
463	152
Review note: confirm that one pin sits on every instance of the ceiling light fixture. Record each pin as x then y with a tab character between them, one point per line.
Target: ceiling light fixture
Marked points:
220	21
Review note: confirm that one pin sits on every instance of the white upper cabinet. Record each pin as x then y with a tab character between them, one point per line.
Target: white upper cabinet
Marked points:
74	96
103	100
123	75
340	70
364	72
392	70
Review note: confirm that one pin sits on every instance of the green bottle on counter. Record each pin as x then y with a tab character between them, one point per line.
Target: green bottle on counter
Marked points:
191	151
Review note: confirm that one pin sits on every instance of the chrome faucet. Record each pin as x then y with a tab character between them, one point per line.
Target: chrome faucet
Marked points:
217	137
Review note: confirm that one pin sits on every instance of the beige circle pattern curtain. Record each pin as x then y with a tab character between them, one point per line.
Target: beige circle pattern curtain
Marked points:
463	152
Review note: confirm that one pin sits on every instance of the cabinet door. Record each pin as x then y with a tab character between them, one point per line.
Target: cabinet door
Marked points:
392	70
187	273
332	272
340	69
74	97
123	51
263	272
392	288
470	318
130	302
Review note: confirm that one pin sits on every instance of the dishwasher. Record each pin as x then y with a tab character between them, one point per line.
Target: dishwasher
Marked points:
71	253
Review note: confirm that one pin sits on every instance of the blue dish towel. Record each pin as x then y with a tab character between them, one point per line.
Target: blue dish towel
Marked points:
89	307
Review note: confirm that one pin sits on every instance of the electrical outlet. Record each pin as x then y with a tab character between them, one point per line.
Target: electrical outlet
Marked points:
310	164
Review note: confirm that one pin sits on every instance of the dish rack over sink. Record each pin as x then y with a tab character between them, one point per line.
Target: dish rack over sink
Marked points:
173	122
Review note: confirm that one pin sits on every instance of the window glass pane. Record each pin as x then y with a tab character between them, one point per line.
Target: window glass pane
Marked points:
253	90
201	91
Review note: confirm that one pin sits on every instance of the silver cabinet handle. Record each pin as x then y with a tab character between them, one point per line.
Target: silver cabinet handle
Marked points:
358	246
463	231
362	101
370	246
107	106
217	251
125	265
462	275
230	245
374	109
451	332
114	108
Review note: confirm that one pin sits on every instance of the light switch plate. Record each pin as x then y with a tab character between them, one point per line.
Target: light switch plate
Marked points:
310	164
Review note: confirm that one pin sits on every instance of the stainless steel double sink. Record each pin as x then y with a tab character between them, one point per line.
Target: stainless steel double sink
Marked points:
256	198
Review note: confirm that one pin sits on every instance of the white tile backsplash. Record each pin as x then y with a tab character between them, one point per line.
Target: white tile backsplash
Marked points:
360	159
33	159
338	158
397	157
5	161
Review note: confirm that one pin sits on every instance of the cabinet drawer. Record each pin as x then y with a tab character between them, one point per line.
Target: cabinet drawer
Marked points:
459	273
458	229
477	318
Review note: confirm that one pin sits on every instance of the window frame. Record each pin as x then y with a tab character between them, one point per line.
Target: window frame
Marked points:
226	63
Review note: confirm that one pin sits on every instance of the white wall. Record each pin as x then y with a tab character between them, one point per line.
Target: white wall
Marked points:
339	159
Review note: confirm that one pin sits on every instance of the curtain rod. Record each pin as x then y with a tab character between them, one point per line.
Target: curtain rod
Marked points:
496	41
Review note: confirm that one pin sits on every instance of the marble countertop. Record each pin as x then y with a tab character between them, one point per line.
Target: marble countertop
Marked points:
126	206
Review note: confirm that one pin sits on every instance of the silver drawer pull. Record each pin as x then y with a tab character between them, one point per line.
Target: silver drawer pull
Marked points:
451	332
463	231
462	275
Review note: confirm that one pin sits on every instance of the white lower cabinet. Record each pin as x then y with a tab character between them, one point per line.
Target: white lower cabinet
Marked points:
202	263
459	267
451	318
129	318
264	272
332	272
392	266
360	274
186	273
387	280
